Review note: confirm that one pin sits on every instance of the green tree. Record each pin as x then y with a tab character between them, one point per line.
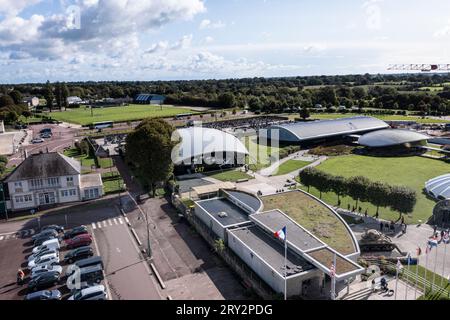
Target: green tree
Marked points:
3	162
304	113
6	101
149	148
16	96
307	177
48	95
402	199
338	186
227	100
378	193
357	188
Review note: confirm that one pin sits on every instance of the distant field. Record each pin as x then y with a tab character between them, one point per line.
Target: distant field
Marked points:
412	172
117	114
329	116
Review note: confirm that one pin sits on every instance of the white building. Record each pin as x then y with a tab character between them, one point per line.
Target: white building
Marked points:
32	102
50	178
74	100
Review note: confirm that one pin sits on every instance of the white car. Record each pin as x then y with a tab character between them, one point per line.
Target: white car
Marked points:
46	259
37	140
91	293
52	243
44	252
45	268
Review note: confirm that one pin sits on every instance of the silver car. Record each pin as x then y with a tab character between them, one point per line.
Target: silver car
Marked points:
51	258
90	293
45	268
42	253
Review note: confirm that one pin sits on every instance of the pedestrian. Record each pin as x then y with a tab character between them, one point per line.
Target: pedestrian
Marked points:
20	276
373	285
381	226
376	215
365	213
403	219
434	230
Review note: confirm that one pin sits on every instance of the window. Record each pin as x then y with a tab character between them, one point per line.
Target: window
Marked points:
19	199
91	194
53	182
64	193
72	192
27	198
69	181
36	183
18	184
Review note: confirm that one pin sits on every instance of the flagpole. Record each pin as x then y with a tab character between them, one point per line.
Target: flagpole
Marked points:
285	268
426	269
396	279
407	276
435	265
333	283
417	278
443	264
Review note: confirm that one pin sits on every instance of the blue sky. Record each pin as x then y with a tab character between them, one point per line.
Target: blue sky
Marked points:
198	39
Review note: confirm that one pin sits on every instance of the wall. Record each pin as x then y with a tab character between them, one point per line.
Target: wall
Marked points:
210	222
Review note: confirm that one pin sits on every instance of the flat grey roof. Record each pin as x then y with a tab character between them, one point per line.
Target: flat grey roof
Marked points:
271	250
328	128
248	199
215	206
391	137
275	220
187	185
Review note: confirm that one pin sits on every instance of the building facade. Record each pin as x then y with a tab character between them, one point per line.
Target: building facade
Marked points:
152	99
47	179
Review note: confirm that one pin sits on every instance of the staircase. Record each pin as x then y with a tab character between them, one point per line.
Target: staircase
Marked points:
363	294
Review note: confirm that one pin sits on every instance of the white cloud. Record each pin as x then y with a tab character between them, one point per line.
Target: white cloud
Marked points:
13	7
443	32
208	24
164	46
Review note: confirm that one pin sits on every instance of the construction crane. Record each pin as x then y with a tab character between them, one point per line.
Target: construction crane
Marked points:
420	67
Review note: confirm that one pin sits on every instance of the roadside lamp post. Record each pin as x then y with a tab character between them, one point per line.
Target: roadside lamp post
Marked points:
149	248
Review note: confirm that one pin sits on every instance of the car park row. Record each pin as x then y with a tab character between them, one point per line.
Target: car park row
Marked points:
44	266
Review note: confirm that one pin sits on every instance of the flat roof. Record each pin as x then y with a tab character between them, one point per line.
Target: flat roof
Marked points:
325	257
271	250
214	207
249	200
275	220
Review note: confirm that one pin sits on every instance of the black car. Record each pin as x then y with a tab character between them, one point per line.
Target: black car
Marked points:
55	227
43	233
43	281
40	240
78	254
75	232
44	295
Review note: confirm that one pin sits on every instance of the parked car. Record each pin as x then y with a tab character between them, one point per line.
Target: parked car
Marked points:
59	229
52	243
90	293
44	252
44	280
75	232
46	135
37	140
40	240
48	232
45	268
78	254
92	261
87	275
79	241
44	295
47	259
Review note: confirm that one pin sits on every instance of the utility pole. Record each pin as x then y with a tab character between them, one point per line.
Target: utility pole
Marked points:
149	248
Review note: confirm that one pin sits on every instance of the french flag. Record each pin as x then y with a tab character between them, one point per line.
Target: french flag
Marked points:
281	234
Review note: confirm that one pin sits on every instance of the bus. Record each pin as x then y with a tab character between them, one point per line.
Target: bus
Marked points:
102	125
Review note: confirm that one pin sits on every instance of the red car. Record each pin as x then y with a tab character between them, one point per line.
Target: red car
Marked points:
79	241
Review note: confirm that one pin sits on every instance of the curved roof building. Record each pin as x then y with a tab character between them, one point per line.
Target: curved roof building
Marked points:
439	187
211	146
307	131
391	137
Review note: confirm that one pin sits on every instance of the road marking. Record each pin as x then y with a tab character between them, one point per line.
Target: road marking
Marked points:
115	220
105	224
120	221
110	222
126	219
118	250
93	226
7	237
108	292
99	225
1	238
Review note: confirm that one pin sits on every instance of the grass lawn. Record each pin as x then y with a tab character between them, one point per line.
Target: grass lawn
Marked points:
412	172
117	114
231	175
105	163
260	154
85	160
444	294
290	166
329	116
112	182
313	216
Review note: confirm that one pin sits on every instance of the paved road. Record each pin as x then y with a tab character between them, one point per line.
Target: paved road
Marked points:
127	273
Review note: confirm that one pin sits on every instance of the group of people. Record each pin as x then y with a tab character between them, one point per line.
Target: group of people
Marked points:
253	123
390	226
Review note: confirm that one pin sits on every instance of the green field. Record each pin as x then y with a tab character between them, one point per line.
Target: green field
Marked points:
117	114
230	175
112	182
260	154
290	166
408	171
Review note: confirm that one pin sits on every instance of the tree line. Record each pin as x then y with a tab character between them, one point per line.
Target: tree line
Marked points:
361	189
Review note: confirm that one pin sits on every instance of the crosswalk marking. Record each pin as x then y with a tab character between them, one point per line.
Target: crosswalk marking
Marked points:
110	222
17	235
93	226
115	220
99	225
1	238
105	224
120	221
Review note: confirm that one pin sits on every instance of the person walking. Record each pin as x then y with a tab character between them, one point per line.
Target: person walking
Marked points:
381	226
20	276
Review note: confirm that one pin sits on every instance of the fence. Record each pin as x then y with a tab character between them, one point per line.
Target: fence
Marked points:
415	280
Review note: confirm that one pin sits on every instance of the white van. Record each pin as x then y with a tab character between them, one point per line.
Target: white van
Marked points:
49	244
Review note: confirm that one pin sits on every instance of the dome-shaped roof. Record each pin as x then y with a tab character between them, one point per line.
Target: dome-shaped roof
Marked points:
391	137
439	187
199	141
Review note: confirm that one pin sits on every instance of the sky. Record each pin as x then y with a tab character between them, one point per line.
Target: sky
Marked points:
101	40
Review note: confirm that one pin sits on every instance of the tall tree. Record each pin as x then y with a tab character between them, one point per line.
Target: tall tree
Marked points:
48	95
16	96
304	113
357	188
378	193
149	148
402	199
307	177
